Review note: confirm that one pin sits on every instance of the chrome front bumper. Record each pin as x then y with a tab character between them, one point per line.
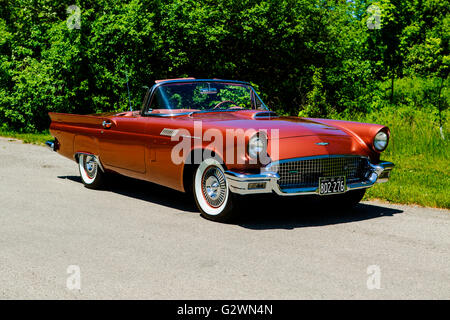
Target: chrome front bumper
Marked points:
267	182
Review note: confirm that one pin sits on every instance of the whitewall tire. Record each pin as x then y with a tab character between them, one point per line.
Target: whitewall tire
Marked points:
211	193
91	174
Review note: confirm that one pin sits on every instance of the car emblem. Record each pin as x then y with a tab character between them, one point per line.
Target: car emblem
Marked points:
322	143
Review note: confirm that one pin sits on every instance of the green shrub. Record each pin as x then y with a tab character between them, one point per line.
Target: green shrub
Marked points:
309	56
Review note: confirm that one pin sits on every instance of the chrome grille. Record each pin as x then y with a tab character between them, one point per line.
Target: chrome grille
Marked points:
306	173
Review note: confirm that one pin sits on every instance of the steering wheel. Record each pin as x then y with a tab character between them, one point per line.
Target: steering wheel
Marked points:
222	102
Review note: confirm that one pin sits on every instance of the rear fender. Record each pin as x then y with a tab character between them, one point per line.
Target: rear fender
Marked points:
85	144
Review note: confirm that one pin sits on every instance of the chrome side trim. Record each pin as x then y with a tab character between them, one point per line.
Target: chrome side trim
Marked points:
168	132
97	158
190	137
238	181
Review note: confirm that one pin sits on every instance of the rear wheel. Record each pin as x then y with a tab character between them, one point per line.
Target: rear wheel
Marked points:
211	193
91	175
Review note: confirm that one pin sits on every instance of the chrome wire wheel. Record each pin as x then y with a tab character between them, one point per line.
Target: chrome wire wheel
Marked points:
214	186
90	166
211	193
90	172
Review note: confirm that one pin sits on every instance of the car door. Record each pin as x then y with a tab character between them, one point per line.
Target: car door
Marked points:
122	141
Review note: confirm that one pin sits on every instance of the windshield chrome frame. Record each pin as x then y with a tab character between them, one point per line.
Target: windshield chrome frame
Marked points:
149	97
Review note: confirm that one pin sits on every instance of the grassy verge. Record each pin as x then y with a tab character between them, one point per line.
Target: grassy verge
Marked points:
422	158
416	180
34	138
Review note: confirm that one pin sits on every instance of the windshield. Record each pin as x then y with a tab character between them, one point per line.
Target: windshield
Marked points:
203	96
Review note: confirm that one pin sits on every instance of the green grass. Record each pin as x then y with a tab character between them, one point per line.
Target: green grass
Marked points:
416	180
34	138
422	158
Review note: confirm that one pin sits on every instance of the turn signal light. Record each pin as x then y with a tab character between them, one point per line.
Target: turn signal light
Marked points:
256	185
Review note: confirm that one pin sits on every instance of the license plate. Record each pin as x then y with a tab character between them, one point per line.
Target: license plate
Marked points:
331	185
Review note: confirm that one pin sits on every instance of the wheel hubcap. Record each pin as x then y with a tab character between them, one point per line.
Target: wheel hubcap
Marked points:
214	186
90	165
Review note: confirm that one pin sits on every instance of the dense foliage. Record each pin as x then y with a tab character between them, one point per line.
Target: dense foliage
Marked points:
308	57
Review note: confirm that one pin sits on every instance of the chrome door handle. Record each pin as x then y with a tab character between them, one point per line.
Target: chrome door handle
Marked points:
107	124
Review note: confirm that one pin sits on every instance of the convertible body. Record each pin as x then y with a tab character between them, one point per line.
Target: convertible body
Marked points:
220	152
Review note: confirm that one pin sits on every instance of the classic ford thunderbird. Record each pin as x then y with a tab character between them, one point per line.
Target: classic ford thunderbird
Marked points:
218	140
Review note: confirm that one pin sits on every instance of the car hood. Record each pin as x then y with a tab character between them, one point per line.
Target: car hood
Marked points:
286	127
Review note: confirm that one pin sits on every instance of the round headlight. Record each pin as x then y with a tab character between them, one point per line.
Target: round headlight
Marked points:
381	141
257	146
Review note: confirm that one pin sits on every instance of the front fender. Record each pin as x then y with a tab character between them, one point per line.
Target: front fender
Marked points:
363	132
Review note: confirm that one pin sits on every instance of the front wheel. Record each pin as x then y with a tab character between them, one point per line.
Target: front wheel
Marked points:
91	175
211	193
348	199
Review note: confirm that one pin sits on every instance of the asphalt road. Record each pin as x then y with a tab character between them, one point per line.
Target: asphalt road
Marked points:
137	240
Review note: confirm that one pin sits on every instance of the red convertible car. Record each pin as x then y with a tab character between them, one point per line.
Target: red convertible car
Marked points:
218	140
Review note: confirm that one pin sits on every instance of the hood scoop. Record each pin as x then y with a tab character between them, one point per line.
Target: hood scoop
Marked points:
265	115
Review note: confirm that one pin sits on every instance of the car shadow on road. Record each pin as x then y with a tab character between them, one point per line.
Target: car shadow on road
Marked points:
255	212
145	191
291	213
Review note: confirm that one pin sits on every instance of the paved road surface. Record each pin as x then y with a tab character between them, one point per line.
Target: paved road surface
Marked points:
139	240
